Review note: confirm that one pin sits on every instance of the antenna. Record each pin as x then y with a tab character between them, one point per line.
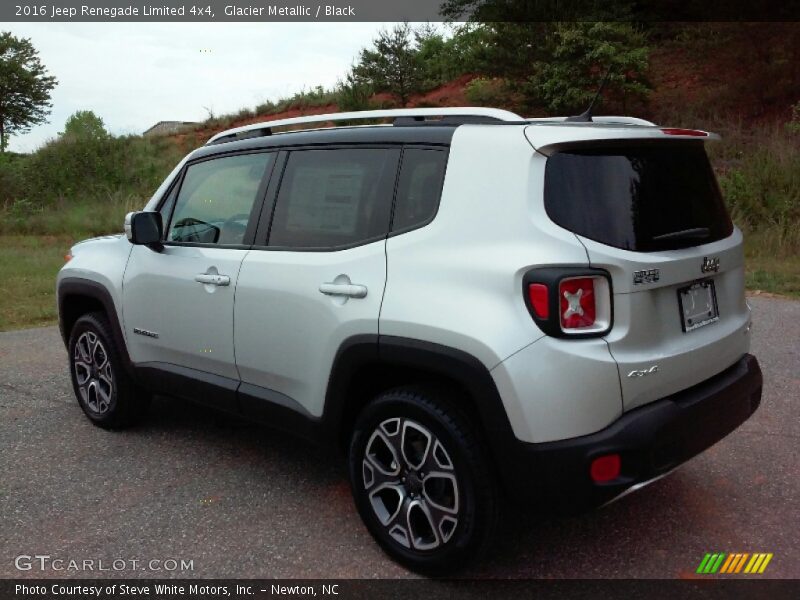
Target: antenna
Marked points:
586	116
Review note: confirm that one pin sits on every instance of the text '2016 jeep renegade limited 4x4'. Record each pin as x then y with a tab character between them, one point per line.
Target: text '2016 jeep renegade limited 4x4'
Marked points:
471	305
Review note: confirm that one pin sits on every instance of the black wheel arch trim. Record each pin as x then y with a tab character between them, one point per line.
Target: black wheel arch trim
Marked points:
88	288
395	351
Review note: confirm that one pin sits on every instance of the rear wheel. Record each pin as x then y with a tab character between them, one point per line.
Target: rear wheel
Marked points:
105	392
420	480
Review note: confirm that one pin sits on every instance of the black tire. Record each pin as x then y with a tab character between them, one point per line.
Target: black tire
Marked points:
415	544
105	391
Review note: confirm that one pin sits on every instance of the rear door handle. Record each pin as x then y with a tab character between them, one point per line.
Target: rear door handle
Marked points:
351	290
211	279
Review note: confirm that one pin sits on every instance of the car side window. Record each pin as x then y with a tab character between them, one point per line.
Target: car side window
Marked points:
216	198
419	187
335	197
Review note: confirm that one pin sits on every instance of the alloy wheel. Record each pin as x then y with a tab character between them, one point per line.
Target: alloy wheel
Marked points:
93	373
411	484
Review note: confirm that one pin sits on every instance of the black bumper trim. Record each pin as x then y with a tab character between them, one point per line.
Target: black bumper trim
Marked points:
652	440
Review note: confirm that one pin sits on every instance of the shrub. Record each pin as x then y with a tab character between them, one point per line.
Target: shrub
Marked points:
488	92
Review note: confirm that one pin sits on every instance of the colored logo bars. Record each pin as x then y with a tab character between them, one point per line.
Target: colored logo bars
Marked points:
734	563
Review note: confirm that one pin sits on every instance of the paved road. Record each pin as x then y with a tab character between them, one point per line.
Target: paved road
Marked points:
242	501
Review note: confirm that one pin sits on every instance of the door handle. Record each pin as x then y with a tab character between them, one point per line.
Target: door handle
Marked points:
351	290
211	279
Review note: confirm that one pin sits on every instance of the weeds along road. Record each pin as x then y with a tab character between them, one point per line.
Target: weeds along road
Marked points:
237	499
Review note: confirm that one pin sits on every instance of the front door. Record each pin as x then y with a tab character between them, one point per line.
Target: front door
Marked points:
178	302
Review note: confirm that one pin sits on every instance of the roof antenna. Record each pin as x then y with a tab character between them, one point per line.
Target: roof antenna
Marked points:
586	116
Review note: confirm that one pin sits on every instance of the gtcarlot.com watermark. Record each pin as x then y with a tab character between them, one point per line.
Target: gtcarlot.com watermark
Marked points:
45	562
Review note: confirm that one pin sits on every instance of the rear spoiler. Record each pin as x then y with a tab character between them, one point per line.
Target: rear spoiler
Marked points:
546	136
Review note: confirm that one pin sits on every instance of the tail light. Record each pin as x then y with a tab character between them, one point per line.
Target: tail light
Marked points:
537	293
585	304
569	301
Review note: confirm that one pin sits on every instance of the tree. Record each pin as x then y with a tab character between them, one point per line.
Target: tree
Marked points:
25	87
582	53
351	94
84	125
391	65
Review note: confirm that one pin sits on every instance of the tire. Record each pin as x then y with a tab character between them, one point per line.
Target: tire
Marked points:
432	522
105	391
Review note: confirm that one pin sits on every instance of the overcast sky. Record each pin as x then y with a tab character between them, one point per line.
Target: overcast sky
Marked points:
133	75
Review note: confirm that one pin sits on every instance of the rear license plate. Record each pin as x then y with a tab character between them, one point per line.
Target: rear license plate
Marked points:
698	304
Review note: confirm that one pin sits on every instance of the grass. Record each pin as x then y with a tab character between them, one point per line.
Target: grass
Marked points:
77	220
776	276
28	267
29	263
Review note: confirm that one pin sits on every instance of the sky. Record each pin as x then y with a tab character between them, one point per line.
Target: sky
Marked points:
133	75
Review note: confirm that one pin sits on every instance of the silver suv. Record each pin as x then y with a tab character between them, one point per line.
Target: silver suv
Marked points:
471	306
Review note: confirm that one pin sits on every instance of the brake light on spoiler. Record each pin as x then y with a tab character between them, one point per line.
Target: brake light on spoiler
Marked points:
680	131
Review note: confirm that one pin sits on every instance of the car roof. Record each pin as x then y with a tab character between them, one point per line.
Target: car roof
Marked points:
437	135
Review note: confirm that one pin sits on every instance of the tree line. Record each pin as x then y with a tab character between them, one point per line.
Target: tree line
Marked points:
550	66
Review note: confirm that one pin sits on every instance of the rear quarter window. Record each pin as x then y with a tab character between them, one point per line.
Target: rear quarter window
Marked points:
419	188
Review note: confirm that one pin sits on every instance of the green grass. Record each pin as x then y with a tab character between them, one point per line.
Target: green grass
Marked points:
772	263
776	276
77	220
29	263
28	267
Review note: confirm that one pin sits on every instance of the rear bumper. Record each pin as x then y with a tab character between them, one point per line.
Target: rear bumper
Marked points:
651	440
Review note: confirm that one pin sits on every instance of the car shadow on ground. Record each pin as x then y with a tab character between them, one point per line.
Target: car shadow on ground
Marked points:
607	542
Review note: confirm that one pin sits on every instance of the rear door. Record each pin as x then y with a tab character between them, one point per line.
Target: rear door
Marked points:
317	278
651	214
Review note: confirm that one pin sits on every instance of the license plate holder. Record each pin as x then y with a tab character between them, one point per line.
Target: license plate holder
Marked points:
698	305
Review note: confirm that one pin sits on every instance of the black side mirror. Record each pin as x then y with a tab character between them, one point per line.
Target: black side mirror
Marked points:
144	228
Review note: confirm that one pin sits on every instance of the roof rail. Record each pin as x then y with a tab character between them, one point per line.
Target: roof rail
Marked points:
402	116
609	120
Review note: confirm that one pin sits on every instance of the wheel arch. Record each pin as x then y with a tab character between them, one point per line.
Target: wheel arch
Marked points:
369	364
76	297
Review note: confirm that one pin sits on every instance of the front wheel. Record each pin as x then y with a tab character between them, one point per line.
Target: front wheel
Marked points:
421	481
105	392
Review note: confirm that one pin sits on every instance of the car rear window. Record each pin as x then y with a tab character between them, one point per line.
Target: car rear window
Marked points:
637	197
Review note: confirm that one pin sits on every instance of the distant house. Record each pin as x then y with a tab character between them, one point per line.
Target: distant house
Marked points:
168	127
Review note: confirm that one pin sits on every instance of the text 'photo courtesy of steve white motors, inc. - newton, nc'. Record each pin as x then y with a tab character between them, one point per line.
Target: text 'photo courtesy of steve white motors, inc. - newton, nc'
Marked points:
200	11
161	590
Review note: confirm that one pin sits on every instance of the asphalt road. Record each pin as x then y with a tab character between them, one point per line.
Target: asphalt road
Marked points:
242	501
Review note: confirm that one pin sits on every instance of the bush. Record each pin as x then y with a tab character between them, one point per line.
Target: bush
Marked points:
352	95
488	92
759	174
81	184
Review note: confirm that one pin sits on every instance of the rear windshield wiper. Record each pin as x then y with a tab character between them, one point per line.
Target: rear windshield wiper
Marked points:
698	233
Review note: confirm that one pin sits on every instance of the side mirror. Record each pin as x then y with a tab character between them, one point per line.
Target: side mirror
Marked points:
144	228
